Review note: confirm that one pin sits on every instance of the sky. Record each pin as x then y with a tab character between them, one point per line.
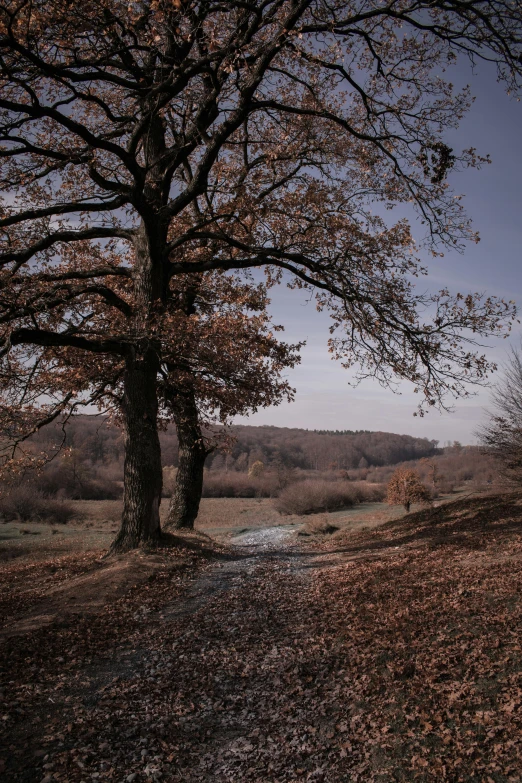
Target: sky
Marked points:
493	199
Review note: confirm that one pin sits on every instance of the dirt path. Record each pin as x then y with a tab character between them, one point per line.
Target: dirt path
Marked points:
171	663
266	539
185	683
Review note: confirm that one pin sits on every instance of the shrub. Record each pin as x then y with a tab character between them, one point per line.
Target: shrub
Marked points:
20	503
238	485
56	480
96	489
26	504
57	512
312	496
256	470
370	493
319	527
445	487
405	488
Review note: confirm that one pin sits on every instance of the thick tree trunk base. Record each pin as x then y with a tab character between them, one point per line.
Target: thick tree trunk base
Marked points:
126	540
140	525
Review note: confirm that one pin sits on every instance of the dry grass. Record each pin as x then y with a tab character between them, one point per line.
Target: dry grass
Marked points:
318	526
25	503
96	522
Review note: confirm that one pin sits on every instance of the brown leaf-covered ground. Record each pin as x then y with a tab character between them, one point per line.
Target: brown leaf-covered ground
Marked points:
391	654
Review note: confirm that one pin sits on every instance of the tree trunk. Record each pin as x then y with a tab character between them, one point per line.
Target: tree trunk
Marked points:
142	469
407	505
188	488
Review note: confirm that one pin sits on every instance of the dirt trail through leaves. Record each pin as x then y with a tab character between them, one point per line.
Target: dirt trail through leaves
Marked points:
359	659
100	708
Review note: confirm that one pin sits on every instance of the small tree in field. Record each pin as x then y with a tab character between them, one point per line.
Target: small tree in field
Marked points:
405	488
256	470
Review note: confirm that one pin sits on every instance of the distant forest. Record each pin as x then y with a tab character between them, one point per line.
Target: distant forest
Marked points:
92	439
88	462
319	449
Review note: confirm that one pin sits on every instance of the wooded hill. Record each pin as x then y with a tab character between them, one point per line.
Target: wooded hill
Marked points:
92	439
321	449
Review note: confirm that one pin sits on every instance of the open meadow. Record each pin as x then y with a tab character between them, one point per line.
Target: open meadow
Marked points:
96	522
36	556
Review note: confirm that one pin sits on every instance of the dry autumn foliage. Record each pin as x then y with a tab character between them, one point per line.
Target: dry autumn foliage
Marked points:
230	363
405	488
256	469
222	357
146	141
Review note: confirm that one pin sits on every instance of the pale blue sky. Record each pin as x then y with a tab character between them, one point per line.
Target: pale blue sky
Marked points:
493	199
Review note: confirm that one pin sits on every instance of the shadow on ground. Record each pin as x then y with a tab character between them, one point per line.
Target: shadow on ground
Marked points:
467	522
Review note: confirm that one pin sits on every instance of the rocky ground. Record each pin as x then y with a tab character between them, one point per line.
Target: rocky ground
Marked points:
391	654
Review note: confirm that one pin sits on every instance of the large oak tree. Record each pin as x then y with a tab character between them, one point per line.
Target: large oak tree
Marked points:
136	136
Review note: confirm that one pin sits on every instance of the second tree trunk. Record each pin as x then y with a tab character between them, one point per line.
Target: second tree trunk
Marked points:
188	488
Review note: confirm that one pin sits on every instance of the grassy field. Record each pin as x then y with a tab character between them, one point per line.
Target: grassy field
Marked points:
97	522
